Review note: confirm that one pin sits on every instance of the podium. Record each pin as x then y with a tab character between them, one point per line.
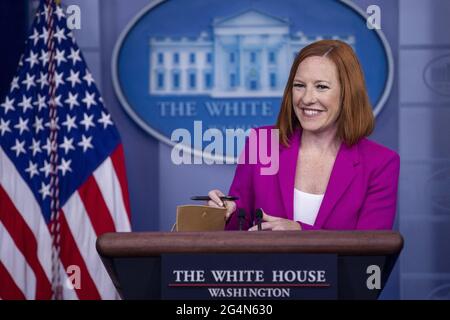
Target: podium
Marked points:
133	260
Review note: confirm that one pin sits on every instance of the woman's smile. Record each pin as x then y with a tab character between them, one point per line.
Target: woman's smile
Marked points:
312	112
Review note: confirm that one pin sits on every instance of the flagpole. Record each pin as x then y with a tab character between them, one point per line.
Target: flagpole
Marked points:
57	292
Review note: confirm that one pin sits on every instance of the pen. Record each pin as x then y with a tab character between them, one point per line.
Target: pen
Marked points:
206	198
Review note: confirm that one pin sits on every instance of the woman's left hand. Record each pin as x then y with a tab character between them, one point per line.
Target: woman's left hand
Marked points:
276	224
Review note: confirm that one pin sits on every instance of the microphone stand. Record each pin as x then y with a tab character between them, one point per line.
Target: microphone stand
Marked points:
241	216
259	215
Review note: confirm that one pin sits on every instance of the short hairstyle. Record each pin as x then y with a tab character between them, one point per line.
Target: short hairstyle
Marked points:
356	118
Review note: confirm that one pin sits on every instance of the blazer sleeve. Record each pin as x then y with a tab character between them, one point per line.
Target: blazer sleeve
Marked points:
242	187
380	205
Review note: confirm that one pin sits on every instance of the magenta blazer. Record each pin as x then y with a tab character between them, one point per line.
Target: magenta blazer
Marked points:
361	193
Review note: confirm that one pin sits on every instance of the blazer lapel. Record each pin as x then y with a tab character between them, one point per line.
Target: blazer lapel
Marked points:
286	172
342	174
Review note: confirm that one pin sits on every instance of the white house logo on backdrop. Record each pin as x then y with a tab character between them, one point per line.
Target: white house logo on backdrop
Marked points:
441	292
246	55
436	190
437	75
226	63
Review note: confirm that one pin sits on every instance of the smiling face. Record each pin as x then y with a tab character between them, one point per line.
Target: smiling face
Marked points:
316	94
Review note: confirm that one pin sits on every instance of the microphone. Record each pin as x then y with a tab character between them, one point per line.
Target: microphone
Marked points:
241	216
259	215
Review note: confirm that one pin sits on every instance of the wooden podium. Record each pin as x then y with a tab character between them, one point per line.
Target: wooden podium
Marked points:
133	260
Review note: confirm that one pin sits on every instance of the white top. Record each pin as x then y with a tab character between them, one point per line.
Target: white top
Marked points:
306	206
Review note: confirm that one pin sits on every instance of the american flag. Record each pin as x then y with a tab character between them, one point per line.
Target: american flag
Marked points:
60	151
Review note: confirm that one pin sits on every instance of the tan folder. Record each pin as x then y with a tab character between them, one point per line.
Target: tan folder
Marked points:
200	218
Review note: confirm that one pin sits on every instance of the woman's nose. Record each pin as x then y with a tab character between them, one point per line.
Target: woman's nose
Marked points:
309	97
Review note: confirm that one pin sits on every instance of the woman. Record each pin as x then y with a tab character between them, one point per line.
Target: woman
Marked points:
330	175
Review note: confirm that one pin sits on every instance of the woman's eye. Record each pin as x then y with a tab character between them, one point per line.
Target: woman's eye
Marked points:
299	85
322	87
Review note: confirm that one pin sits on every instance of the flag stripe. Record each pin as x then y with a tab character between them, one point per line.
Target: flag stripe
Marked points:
84	235
70	255
9	290
117	158
25	241
68	293
95	206
111	191
16	265
26	204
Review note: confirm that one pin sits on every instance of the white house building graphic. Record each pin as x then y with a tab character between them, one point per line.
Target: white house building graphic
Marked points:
247	55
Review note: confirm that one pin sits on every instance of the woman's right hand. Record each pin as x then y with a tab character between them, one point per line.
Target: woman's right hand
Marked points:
215	201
